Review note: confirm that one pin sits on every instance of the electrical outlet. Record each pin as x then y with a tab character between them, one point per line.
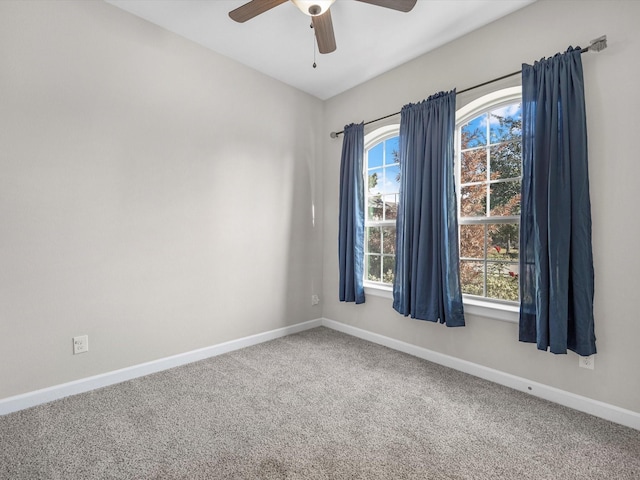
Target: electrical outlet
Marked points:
80	344
587	362
315	299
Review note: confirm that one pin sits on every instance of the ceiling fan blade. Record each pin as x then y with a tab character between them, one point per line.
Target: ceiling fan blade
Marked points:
400	5
253	9
323	26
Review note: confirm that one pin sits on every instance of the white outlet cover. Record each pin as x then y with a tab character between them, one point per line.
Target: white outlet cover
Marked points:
80	344
587	362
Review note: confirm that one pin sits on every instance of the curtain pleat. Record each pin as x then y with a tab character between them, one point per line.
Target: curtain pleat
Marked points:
427	279
556	262
351	215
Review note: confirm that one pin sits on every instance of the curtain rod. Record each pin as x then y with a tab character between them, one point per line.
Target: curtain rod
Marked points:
596	45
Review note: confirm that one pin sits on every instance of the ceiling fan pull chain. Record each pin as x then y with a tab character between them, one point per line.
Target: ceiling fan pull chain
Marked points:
314	47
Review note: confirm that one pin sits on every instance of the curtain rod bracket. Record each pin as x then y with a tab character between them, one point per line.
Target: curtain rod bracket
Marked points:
598	44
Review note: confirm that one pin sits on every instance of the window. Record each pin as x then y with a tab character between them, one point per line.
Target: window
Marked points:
382	183
489	173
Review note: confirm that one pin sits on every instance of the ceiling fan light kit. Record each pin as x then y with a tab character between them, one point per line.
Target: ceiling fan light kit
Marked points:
318	10
313	7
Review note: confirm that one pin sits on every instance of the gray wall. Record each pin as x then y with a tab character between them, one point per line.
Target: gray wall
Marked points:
153	195
612	99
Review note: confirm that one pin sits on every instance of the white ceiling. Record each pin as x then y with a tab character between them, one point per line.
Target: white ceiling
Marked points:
371	40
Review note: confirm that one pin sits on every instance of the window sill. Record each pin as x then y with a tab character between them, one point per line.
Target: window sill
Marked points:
472	306
378	291
489	309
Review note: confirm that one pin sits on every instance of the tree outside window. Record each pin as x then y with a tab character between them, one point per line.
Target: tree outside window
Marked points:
490	172
382	178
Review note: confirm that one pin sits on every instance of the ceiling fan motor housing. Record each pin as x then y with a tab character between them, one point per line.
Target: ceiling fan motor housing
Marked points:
313	7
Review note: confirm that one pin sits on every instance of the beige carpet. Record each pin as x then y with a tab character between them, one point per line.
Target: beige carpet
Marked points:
316	405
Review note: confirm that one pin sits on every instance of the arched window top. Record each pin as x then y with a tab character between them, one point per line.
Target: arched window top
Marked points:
380	134
488	102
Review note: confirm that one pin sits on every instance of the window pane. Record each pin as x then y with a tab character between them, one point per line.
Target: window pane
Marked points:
373	239
503	241
390	207
473	166
473	201
505	198
374	210
472	277
375	180
373	268
392	150
473	134
388	266
389	240
506	160
374	157
506	123
391	179
490	172
472	241
502	281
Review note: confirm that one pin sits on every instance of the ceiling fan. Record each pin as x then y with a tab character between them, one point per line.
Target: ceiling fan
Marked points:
319	12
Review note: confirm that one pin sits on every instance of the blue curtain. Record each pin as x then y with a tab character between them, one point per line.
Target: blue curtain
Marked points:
427	278
351	220
556	263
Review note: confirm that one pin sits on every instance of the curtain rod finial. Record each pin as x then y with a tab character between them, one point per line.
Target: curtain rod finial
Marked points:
598	44
333	135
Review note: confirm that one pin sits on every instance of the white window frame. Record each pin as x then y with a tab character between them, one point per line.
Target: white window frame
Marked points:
485	307
371	139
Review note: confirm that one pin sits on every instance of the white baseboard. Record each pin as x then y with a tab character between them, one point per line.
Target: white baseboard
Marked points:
31	399
593	407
